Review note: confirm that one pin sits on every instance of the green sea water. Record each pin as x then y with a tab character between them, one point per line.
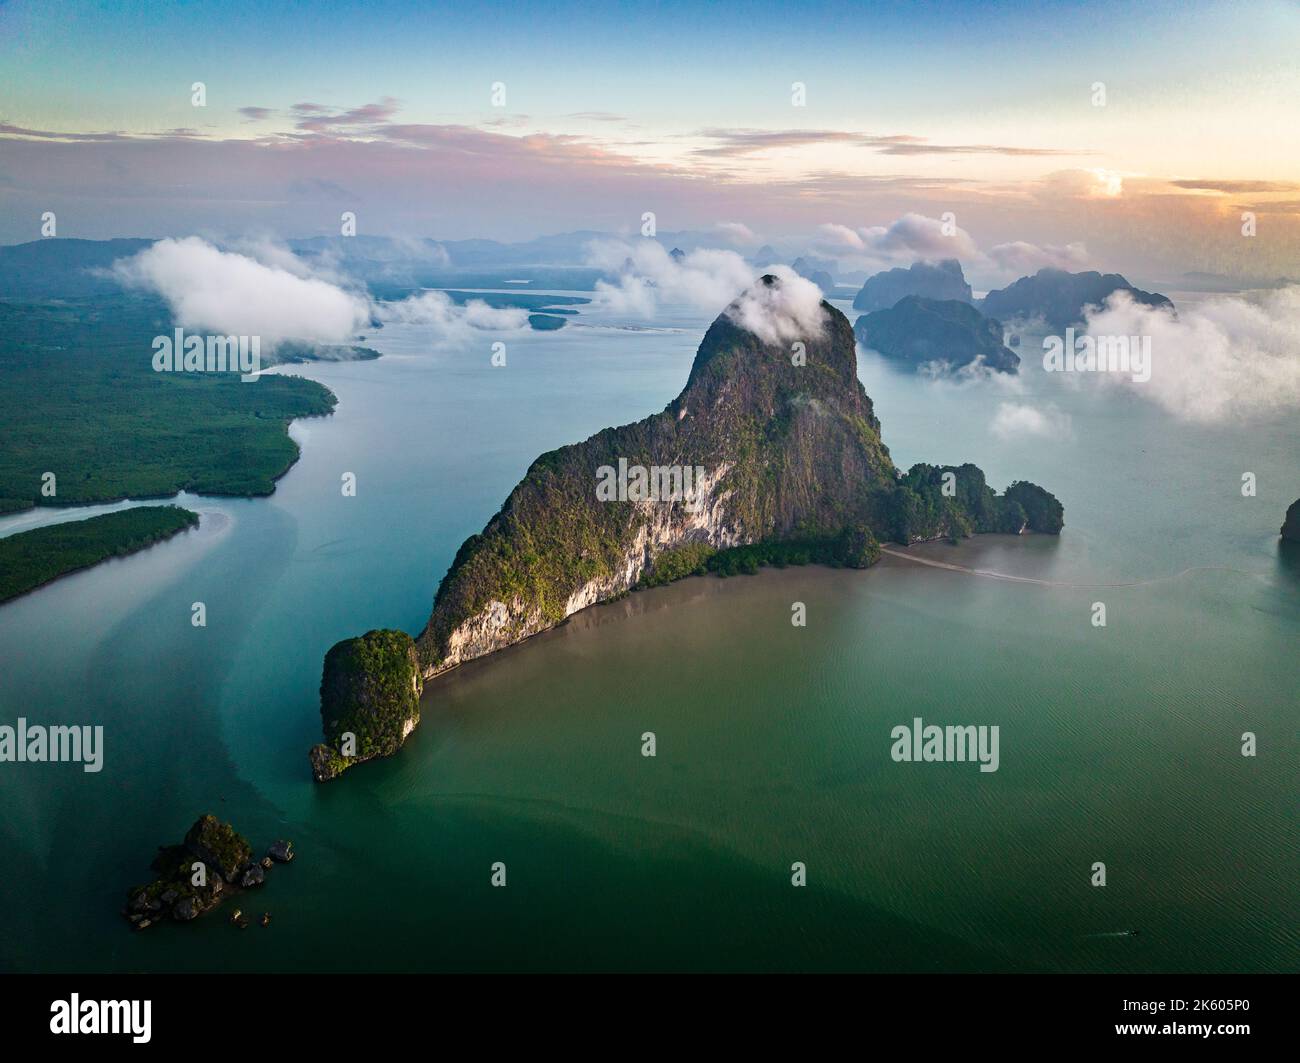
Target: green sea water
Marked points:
1119	745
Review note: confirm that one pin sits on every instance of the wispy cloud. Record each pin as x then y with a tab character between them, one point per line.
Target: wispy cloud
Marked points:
734	143
317	118
1282	206
1236	187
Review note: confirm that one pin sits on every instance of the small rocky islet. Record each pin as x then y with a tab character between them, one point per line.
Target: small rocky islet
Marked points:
228	868
370	700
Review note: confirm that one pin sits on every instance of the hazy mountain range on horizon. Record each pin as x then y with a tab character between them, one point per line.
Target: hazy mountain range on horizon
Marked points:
62	267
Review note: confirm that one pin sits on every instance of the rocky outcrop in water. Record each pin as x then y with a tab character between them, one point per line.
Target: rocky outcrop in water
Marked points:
213	862
1291	525
941	334
938	280
1061	299
369	701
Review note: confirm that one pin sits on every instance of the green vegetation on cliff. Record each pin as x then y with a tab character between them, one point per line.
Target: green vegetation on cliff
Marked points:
369	700
855	547
788	448
33	558
786	467
213	862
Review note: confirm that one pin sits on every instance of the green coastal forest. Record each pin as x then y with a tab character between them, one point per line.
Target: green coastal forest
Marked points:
86	420
79	399
30	559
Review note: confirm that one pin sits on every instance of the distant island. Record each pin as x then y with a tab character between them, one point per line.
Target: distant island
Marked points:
34	558
947	334
1291	525
940	280
817	271
1061	299
766	457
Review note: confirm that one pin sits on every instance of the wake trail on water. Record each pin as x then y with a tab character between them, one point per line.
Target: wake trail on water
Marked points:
1057	583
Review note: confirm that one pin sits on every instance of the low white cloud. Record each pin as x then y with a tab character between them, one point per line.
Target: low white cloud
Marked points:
258	287
789	309
707	279
1019	420
975	373
235	294
448	319
1225	358
737	234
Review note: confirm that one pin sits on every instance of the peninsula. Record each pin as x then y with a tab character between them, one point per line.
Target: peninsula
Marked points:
771	452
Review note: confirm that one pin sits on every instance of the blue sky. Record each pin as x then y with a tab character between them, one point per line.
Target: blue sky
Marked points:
105	65
612	109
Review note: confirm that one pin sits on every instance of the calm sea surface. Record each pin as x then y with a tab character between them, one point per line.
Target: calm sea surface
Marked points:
1119	745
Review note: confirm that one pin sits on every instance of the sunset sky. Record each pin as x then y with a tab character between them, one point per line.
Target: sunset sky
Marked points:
683	109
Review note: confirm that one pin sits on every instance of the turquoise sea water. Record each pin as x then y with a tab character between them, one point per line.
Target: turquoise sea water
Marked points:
1118	744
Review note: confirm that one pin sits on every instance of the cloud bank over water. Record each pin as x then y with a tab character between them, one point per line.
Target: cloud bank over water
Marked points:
1227	358
235	294
448	319
263	289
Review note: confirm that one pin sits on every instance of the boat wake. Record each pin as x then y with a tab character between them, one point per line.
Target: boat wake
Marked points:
1057	583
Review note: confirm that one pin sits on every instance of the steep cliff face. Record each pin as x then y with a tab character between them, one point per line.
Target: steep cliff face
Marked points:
771	454
774	434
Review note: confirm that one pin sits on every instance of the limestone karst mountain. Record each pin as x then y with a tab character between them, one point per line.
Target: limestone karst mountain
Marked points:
773	445
943	333
1060	299
930	280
